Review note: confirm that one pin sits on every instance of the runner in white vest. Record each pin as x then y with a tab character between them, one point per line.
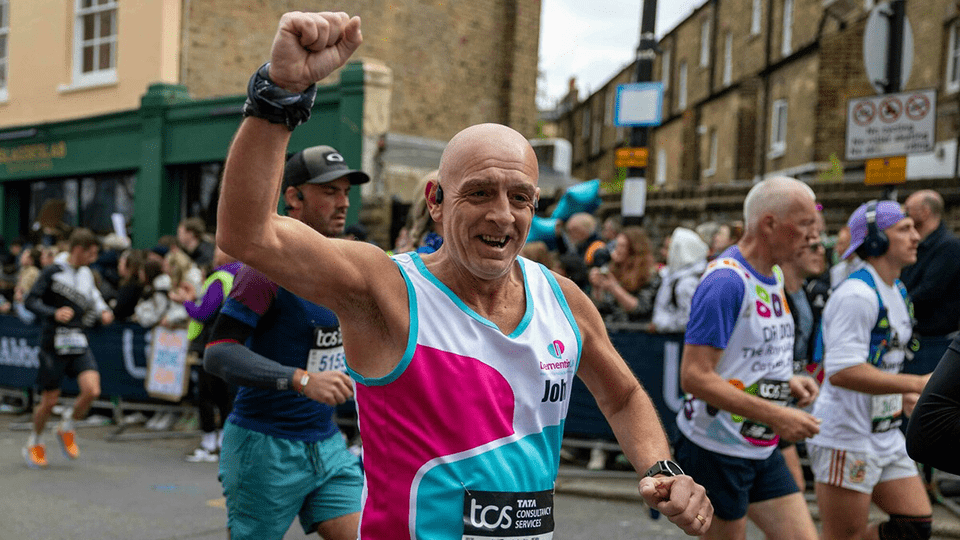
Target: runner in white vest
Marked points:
468	396
737	370
860	455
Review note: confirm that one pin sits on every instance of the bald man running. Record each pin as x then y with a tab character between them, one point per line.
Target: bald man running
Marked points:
463	358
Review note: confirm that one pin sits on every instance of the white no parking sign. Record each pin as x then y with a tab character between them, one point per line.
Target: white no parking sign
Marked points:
891	124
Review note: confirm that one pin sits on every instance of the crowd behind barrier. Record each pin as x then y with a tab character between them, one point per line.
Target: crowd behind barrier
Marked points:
122	351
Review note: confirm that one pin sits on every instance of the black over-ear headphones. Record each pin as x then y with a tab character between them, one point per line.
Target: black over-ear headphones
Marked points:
876	242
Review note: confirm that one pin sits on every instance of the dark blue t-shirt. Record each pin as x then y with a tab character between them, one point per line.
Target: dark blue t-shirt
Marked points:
287	328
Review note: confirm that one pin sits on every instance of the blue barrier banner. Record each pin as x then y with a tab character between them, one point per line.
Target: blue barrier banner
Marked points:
655	360
120	350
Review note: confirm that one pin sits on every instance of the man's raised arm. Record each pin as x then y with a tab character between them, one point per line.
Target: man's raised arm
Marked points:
306	48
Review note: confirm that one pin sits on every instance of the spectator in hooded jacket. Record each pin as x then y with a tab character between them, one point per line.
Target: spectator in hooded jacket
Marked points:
686	261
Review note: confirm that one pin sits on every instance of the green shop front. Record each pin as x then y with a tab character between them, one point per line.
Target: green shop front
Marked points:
154	165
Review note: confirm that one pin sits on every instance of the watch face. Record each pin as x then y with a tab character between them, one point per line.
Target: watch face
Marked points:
674	469
666	468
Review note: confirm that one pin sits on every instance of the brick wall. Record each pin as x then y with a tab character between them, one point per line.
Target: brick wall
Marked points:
454	63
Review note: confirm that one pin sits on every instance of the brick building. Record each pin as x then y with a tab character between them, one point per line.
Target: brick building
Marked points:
755	88
429	70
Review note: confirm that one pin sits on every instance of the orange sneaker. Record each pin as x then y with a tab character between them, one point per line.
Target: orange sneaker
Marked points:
35	456
68	443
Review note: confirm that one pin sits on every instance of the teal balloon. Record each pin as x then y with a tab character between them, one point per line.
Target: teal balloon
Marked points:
542	230
582	197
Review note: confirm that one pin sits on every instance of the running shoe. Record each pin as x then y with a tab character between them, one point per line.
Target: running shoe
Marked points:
202	455
35	456
68	443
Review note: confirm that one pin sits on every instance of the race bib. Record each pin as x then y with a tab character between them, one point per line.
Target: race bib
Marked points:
887	412
778	392
69	341
502	515
327	351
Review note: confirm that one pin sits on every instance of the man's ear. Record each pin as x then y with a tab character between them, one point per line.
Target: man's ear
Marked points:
290	199
430	195
766	224
430	192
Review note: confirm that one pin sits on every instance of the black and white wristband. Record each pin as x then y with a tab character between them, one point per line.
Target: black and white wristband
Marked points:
268	101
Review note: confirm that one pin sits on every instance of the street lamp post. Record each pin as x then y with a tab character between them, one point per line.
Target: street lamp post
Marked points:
646	53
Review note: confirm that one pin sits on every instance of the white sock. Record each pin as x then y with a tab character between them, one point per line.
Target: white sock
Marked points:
67	423
209	441
34	439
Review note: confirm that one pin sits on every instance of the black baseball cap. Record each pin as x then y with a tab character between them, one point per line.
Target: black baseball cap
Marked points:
319	165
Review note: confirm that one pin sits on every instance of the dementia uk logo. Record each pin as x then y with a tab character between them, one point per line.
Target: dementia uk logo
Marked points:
555	349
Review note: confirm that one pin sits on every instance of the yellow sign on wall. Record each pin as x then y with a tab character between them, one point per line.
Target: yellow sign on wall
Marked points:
888	170
631	157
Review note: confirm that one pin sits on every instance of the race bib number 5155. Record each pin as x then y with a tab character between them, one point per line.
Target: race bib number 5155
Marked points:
327	351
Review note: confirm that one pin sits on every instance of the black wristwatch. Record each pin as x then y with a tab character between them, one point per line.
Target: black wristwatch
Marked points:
665	467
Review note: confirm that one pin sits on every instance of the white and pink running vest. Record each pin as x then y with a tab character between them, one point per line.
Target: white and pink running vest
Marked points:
462	439
758	360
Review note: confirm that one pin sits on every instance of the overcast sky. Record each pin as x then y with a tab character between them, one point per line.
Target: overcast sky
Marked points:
594	40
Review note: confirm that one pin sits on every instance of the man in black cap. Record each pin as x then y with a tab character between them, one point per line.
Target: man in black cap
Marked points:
316	184
282	454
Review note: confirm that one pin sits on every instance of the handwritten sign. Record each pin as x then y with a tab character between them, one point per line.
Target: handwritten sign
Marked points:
167	370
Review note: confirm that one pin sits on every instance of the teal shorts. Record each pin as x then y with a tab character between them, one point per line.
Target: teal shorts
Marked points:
267	481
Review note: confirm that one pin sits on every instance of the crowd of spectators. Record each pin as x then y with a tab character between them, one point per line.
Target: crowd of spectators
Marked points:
638	281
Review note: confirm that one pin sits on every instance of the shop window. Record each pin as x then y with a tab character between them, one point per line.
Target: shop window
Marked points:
201	190
95	42
88	202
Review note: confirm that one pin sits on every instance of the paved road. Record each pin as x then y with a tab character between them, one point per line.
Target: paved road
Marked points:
135	490
144	490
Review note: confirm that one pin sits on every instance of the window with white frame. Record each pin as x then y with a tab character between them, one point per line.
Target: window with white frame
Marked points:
4	32
787	27
778	128
755	17
953	58
682	86
665	68
705	43
661	178
95	42
728	59
712	153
